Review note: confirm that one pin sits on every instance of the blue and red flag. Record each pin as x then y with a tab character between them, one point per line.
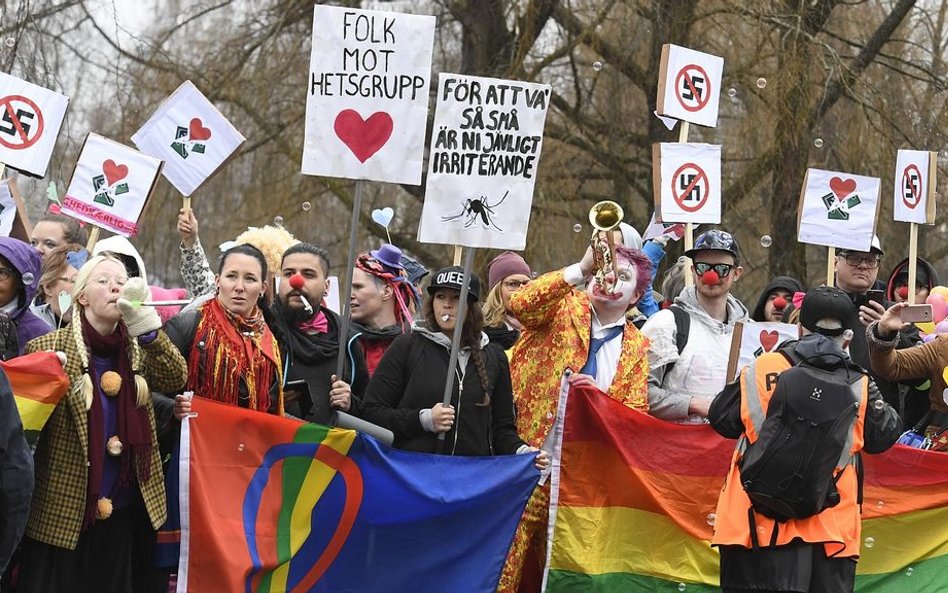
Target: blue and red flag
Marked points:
270	504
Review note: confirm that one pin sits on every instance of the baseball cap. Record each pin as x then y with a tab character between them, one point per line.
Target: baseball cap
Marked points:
453	277
823	303
716	240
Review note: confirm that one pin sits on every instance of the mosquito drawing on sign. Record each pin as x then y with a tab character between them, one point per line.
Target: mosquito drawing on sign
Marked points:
477	208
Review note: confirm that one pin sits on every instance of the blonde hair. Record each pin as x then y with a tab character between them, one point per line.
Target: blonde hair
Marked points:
143	394
272	241
493	307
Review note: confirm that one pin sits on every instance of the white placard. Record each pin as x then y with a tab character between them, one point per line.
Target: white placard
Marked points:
367	94
190	135
752	339
30	119
914	192
110	185
331	298
687	180
7	209
673	230
689	85
838	210
485	149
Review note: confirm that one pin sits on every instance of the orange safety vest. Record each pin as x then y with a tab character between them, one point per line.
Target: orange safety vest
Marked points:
837	528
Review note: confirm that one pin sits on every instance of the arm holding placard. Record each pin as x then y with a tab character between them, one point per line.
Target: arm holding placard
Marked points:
195	269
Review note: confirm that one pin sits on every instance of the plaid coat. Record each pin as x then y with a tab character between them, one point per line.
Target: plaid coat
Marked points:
61	455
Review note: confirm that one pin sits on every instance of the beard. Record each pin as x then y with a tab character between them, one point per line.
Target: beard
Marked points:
295	314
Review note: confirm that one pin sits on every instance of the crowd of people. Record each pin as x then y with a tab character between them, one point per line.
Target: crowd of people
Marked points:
258	334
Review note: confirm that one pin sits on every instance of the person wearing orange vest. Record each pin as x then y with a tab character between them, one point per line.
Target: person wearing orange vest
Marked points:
819	552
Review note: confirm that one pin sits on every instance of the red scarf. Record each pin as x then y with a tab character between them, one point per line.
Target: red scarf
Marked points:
133	427
239	350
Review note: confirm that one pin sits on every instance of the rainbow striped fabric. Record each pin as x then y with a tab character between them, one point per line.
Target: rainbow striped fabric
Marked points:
39	383
633	501
271	504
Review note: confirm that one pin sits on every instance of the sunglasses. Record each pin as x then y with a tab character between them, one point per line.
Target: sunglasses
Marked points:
722	270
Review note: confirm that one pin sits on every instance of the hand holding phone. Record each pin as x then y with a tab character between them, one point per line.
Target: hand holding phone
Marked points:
917	314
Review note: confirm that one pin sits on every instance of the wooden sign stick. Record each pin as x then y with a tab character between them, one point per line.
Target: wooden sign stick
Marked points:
457	255
187	204
913	261
3	168
689	228
830	266
93	237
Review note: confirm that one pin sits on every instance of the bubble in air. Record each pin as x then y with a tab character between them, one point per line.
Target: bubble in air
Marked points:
597	66
28	278
761	82
878	405
10	42
240	447
909	571
848	334
869	542
577	228
818	143
732	92
766	241
307	206
711	519
682	586
278	221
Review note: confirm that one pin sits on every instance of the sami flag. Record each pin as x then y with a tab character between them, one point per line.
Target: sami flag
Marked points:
648	527
271	504
39	383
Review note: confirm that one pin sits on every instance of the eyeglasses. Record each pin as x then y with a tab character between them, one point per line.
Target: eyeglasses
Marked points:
6	274
871	261
515	284
722	270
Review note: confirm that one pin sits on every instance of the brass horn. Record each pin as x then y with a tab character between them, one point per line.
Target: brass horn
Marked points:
605	217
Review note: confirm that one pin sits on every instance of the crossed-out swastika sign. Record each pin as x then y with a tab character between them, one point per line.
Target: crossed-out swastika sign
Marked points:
911	186
914	187
30	118
689	85
687	181
694	88
690	187
21	122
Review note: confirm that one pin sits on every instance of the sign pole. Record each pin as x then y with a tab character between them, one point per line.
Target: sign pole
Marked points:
187	205
3	168
346	293
913	261
830	266
457	255
689	227
456	338
93	238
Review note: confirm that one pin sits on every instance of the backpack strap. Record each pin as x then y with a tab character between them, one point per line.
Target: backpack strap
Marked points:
682	326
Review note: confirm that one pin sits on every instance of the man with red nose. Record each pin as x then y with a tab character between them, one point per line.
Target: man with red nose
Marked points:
685	377
776	299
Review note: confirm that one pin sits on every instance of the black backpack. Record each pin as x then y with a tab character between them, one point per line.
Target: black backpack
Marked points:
789	472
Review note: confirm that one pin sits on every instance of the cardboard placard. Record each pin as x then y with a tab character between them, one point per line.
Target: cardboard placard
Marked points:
751	339
674	230
914	192
30	119
838	210
485	150
367	94
689	85
191	136
110	185
687	182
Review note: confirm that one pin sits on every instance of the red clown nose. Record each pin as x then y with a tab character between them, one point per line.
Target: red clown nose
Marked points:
297	282
710	277
903	292
780	303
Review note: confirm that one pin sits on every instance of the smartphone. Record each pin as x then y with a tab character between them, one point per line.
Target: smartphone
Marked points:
301	387
917	314
876	295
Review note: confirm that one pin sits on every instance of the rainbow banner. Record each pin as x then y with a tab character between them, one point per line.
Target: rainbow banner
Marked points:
39	383
271	504
633	501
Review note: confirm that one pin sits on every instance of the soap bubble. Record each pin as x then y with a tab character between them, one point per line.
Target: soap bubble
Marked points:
818	143
878	405
761	82
577	228
10	42
732	92
766	241
240	447
880	504
682	586
909	571
848	334
307	206
28	278
711	519
278	221
597	66
870	541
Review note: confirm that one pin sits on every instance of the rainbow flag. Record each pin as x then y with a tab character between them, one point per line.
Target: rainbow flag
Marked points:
39	383
633	501
272	504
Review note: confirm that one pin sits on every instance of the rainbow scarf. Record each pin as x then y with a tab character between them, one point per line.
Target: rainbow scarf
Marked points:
648	526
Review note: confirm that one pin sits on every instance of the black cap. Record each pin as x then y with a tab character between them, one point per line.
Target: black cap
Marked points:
825	302
453	277
716	240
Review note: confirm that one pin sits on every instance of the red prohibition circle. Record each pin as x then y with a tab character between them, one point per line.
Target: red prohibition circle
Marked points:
6	104
916	191
701	98
679	198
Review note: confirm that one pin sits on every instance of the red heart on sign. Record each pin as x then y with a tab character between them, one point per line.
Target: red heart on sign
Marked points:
842	188
198	131
768	339
363	137
113	172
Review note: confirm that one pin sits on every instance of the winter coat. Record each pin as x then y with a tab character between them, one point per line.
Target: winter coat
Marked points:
372	343
927	361
26	260
922	266
122	248
701	368
16	474
411	378
787	283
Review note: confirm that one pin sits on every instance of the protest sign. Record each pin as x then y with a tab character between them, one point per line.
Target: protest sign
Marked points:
687	181
191	136
751	339
485	149
7	208
367	95
673	230
914	194
689	85
110	185
30	118
838	209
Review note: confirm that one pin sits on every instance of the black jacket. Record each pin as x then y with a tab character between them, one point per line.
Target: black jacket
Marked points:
16	474
787	283
411	378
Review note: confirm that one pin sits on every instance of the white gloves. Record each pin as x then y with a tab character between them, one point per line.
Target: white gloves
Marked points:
139	319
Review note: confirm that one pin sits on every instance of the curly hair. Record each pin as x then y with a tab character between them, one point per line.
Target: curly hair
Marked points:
272	241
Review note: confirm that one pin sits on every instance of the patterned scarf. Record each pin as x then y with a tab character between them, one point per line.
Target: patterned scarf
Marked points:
239	350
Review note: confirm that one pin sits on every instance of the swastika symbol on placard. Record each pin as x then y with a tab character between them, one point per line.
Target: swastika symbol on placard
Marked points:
21	122
911	186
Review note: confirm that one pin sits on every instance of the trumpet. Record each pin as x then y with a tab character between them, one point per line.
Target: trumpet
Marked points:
605	217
